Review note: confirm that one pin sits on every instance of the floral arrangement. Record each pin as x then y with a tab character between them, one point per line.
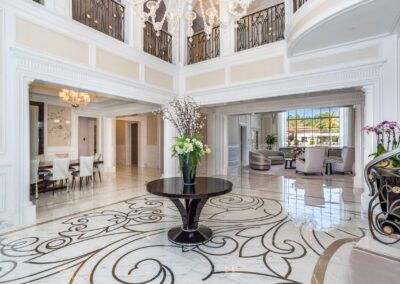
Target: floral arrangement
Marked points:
388	138
185	115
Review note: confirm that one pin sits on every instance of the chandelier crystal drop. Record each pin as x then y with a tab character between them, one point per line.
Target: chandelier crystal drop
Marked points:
74	98
188	11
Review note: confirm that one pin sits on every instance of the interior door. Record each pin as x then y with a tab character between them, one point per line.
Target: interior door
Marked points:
134	144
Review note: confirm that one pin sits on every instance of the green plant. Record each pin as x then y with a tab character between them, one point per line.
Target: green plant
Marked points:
271	140
190	150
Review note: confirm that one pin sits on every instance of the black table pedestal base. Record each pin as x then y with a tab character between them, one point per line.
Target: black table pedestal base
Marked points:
190	238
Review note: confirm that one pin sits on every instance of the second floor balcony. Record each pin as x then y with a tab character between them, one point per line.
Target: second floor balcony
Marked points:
118	19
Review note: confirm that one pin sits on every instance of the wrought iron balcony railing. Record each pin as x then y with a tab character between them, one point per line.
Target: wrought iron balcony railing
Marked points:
201	48
159	46
383	180
106	16
297	4
261	28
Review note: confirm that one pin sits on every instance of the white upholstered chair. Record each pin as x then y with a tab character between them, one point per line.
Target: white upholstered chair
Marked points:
97	168
85	170
60	172
313	161
347	161
34	175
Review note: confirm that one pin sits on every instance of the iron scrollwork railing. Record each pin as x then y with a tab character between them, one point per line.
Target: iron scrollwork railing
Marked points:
159	46
384	208
297	4
201	48
106	16
260	28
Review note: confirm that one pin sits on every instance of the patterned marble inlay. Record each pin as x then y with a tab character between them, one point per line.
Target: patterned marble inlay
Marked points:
255	241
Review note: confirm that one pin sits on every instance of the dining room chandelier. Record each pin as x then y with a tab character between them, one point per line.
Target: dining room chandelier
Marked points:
74	98
188	11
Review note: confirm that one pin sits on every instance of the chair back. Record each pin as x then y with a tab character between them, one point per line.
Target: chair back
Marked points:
61	168
315	158
97	157
348	157
86	166
34	177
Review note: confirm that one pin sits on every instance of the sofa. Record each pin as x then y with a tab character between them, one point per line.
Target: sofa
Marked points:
263	159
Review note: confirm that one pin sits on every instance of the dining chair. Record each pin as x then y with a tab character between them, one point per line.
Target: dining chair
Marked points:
97	168
34	176
85	171
60	172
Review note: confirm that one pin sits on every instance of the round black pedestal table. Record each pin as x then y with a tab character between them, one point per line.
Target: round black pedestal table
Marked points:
195	197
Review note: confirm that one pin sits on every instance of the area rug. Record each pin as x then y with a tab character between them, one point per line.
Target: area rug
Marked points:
255	240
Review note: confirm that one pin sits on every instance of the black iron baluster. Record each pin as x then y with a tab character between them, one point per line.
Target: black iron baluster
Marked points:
201	48
159	46
261	28
106	16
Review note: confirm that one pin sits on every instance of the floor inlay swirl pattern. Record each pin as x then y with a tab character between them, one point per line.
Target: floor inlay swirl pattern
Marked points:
256	240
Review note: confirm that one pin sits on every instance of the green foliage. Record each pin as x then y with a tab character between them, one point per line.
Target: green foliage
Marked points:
190	150
270	140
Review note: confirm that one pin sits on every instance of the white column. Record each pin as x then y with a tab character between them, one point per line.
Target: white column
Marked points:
211	133
369	144
358	143
288	14
220	152
29	210
131	28
136	28
227	32
60	7
109	146
171	168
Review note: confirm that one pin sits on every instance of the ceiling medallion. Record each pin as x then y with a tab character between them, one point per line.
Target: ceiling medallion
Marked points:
184	10
74	98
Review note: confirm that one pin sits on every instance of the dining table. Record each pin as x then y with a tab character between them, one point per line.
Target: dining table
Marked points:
45	165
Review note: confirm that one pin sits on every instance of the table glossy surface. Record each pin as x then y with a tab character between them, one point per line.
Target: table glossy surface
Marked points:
195	197
204	187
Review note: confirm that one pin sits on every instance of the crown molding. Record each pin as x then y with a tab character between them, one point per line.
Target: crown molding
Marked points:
35	65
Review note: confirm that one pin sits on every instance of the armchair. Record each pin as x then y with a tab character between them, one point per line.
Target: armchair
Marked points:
347	161
313	161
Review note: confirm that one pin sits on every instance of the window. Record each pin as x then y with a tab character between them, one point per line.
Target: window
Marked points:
313	127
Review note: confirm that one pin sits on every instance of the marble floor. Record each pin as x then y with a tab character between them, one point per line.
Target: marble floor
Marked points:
270	229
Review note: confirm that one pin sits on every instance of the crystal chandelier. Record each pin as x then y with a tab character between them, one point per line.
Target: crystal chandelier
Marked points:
177	10
74	98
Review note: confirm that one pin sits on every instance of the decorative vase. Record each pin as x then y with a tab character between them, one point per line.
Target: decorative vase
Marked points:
188	178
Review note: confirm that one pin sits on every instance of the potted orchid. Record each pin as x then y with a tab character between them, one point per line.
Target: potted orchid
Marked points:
387	139
184	114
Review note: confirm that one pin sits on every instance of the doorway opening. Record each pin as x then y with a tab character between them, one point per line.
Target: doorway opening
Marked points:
87	136
134	144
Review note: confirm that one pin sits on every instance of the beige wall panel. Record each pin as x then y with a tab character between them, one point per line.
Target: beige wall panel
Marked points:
159	79
116	64
120	131
152	129
258	69
205	80
48	41
334	59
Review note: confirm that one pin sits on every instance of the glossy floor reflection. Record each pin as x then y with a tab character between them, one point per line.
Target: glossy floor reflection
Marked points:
269	230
